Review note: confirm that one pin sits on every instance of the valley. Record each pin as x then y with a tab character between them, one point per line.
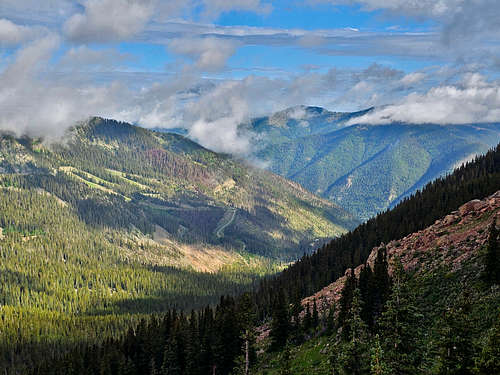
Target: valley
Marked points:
118	222
332	155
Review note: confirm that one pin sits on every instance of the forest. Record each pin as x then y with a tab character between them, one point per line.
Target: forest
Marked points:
118	222
384	322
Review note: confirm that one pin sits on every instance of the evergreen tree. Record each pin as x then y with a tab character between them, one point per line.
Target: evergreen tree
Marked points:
315	316
286	366
377	363
455	349
246	317
346	302
492	269
382	283
351	356
488	361
366	288
280	324
330	321
400	327
171	365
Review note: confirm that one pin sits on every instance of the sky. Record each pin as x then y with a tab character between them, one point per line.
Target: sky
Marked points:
209	65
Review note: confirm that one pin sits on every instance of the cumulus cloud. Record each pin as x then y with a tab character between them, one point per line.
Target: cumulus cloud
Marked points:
474	100
209	54
34	104
109	20
412	78
12	34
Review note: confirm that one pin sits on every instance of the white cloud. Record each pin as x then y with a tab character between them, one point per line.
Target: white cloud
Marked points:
12	34
474	100
32	102
109	20
412	78
210	54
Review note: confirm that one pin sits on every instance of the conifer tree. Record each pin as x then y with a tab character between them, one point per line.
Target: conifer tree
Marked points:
171	364
346	302
280	324
488	361
366	288
351	356
492	269
455	350
382	283
377	363
400	327
315	316
286	361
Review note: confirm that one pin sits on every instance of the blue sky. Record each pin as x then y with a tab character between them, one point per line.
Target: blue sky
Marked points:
208	65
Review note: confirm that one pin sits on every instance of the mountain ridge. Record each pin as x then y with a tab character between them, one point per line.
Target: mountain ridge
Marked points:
343	162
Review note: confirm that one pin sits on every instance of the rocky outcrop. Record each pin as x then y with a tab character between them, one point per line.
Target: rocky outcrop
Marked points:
451	240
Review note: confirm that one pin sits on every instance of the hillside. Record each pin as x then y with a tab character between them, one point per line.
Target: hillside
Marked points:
439	286
166	185
423	300
117	222
315	148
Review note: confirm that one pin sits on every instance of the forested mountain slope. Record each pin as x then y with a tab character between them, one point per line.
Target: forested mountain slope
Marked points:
122	176
311	273
426	302
346	163
118	221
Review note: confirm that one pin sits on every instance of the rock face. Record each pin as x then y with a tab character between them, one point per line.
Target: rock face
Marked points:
452	240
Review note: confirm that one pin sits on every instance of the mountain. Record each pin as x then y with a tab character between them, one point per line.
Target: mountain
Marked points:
300	121
345	164
117	221
411	291
166	185
441	314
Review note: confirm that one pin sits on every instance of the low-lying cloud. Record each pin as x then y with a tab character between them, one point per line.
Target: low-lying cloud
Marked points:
475	100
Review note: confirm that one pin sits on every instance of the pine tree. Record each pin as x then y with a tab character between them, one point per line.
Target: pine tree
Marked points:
246	318
346	302
400	327
351	356
171	364
377	363
330	321
382	283
488	361
285	367
315	316
280	324
455	348
366	288
492	269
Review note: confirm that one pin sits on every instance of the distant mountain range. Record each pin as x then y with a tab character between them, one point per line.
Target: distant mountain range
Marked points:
363	168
